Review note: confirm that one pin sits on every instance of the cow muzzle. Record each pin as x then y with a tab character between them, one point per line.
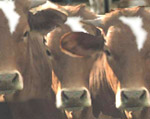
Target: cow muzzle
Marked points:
132	99
73	99
10	82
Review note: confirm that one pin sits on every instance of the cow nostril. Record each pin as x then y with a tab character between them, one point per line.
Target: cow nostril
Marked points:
124	96
83	95
65	96
15	79
143	95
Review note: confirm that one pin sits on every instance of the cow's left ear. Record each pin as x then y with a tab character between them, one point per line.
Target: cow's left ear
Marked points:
79	44
46	20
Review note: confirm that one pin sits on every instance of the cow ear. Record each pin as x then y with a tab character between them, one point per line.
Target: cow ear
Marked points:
79	44
46	20
90	28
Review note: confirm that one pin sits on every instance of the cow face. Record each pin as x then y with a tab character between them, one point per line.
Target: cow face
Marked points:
13	36
127	57
72	55
16	22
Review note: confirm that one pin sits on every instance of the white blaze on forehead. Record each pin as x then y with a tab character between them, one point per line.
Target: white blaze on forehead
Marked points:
8	7
75	25
136	23
47	4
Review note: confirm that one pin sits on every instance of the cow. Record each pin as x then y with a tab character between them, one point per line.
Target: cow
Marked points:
119	79
70	72
25	73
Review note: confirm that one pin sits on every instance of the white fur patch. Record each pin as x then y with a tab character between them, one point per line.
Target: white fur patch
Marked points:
75	25
118	99
49	4
136	23
8	7
58	99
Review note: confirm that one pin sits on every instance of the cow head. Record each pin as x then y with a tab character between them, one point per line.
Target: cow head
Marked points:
72	55
126	57
17	25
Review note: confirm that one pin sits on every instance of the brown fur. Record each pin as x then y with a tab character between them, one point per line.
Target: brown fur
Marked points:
26	53
126	67
68	71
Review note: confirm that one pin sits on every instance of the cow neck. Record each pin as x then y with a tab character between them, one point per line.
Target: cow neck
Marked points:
41	98
98	77
39	70
102	90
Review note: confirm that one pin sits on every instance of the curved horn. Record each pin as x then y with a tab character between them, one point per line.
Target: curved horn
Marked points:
35	3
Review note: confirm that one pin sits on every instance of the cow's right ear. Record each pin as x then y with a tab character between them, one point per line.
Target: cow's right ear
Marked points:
46	20
79	44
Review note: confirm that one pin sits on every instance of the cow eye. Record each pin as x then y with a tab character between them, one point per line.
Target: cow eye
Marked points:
26	34
107	52
48	52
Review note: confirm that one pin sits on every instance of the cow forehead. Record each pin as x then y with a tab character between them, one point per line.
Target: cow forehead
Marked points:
135	24
75	25
8	8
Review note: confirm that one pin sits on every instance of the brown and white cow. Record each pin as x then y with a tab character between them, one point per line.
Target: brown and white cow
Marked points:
120	76
25	76
70	74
